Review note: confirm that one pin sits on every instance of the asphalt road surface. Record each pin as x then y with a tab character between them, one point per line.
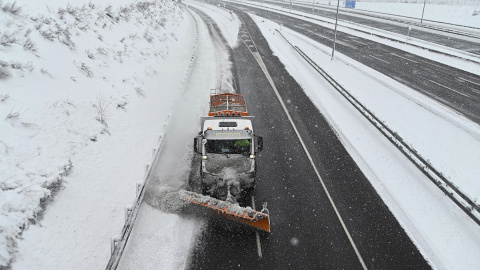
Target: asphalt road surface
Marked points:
306	232
454	88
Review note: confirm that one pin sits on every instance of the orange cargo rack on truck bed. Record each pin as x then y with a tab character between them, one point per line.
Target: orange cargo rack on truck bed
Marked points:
227	105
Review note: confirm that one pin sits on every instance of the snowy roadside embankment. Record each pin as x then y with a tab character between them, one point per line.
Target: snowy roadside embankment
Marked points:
444	234
80	89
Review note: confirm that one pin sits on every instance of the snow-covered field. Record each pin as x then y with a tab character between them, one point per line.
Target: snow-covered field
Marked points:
84	94
83	97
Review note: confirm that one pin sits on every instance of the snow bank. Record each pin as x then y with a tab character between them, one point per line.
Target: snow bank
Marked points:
229	24
79	87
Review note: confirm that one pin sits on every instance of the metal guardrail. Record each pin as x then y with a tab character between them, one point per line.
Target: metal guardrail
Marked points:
453	192
118	242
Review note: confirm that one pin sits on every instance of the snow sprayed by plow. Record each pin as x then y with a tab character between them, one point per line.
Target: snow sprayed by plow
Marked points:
164	198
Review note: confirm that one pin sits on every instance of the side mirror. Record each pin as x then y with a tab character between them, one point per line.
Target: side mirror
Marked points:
258	144
197	144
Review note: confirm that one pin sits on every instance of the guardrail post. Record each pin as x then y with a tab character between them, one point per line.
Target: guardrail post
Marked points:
139	187
128	210
147	167
113	242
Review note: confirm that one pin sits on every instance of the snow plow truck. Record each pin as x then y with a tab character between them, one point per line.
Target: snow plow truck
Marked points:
228	146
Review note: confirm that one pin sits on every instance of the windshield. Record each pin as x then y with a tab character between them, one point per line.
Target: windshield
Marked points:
228	146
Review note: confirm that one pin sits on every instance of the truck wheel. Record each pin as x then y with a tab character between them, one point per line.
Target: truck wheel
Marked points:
204	188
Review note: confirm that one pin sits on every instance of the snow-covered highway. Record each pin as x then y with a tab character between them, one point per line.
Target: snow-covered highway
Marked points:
340	194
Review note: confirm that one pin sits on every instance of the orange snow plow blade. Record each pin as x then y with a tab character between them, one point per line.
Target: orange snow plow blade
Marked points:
245	215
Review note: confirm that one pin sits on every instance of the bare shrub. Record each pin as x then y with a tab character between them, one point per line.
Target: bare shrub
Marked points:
86	70
84	27
103	51
3	98
8	39
29	124
148	36
45	20
122	105
66	37
140	91
72	10
29	45
100	16
61	12
11	8
108	9
28	32
13	115
118	56
29	66
48	34
124	12
16	65
4	73
89	54
45	72
101	105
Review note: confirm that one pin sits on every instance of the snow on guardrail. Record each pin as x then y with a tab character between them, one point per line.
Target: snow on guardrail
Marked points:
118	242
471	208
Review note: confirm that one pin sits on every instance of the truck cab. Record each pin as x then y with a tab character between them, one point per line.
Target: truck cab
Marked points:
228	146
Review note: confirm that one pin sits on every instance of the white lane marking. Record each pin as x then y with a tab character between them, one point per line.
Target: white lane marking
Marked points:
463	79
265	71
356	41
259	245
346	44
444	68
405	58
456	91
379	59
